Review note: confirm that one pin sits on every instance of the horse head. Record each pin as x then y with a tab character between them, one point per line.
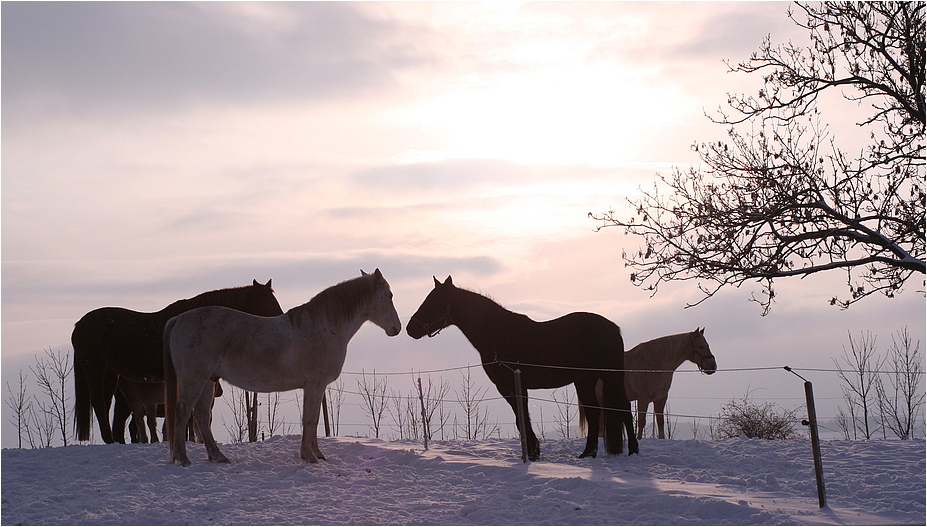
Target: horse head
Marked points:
383	312
435	312
261	300
701	353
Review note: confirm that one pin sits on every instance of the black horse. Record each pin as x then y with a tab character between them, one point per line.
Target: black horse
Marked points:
578	348
113	342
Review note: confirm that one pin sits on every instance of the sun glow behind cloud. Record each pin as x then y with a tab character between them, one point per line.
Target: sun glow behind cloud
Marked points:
564	114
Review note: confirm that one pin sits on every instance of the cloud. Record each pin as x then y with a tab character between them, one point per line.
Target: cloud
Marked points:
114	56
28	282
734	34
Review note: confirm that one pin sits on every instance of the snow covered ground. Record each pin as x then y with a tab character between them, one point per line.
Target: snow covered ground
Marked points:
368	481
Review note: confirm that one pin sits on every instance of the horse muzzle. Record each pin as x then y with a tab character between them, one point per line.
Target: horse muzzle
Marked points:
415	329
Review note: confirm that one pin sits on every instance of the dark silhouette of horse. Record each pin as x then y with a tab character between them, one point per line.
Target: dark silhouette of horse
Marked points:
113	342
578	348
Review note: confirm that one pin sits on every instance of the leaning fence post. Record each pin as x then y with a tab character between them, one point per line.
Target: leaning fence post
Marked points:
521	417
421	398
812	423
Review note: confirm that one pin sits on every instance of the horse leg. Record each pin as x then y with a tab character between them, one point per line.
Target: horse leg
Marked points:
202	414
312	406
178	446
534	446
586	393
628	418
138	421
188	406
642	405
102	388
150	415
658	408
121	413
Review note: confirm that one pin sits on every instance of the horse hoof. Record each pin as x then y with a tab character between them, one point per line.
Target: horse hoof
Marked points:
587	454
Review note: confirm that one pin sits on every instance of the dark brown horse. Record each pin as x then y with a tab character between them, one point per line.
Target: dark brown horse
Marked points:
578	348
113	342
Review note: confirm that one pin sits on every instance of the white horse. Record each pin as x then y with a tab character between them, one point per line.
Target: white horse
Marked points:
302	348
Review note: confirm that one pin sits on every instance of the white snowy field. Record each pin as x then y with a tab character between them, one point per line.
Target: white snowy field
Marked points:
368	481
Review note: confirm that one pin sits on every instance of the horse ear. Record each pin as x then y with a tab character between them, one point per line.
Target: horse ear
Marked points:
363	273
437	283
448	281
268	282
255	282
378	275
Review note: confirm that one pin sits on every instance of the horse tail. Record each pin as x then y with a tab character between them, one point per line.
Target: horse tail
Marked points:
582	420
583	424
170	388
83	410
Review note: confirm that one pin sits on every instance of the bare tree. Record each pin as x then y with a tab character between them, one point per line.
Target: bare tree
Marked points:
859	374
781	199
476	423
41	431
51	374
403	413
433	399
901	403
274	422
238	402
373	393
566	411
20	405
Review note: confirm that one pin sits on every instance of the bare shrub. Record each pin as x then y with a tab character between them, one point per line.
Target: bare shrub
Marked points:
743	417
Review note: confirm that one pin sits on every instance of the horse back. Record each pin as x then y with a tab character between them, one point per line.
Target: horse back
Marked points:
568	347
125	340
643	385
218	342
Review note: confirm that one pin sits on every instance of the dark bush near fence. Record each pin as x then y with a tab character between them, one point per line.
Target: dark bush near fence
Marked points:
762	421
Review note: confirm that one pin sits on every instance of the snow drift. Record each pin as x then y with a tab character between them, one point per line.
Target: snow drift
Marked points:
368	481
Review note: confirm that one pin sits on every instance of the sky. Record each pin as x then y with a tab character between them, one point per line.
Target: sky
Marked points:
154	151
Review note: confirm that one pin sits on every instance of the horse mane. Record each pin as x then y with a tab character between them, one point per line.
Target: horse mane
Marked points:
338	303
209	298
492	302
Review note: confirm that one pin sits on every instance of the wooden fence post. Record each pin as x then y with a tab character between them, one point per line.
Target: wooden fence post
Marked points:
521	404
812	424
328	429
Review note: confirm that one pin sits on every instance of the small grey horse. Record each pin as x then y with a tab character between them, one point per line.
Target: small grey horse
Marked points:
649	373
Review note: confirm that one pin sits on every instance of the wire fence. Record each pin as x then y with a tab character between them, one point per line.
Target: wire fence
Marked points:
567	404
